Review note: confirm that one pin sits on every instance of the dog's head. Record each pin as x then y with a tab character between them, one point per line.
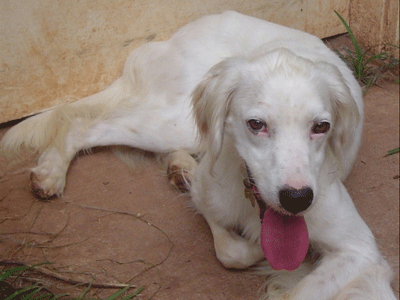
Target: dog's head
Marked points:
288	117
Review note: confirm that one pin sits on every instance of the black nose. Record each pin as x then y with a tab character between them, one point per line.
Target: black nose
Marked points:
294	200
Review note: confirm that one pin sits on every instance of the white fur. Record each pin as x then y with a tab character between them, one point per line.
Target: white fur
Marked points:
235	68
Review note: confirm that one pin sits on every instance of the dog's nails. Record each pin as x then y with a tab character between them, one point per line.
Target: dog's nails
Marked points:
179	179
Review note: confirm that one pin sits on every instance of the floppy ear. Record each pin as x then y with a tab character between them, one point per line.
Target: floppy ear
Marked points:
211	99
347	115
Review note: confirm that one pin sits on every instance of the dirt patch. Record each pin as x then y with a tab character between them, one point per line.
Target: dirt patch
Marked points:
115	227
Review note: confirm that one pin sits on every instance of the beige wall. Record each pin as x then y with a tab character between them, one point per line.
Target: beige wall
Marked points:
57	51
376	22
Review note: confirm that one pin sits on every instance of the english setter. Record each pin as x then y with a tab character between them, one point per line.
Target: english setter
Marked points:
274	118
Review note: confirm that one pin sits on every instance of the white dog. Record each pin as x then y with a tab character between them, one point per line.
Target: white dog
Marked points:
279	118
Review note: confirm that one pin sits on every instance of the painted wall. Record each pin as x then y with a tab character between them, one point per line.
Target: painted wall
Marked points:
57	51
376	23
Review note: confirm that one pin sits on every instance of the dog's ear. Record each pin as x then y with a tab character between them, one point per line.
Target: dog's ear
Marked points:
347	115
211	100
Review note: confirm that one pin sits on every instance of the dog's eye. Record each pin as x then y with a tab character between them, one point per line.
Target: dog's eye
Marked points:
321	127
256	125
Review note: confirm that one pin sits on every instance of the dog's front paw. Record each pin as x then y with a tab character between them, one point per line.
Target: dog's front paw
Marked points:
285	296
235	252
180	170
273	296
179	178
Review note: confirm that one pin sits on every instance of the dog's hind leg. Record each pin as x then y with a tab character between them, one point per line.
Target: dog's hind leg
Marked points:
147	129
49	176
146	108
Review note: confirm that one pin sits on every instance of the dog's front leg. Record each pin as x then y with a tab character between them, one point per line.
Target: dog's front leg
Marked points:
351	266
234	223
344	276
233	251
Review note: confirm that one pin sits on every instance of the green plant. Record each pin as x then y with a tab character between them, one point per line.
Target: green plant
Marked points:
393	151
36	292
359	60
393	61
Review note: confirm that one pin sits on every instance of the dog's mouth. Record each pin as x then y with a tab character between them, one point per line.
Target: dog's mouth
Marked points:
284	237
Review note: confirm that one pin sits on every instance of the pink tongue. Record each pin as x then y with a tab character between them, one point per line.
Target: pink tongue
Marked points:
284	240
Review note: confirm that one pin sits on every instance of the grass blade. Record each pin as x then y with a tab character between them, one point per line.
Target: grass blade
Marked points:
376	56
28	292
393	151
120	292
352	37
13	271
137	292
59	296
114	296
85	291
24	290
21	269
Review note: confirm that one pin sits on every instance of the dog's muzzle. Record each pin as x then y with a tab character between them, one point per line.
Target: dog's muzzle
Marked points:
292	200
283	237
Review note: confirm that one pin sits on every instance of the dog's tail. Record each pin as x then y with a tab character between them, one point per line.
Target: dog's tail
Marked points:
35	134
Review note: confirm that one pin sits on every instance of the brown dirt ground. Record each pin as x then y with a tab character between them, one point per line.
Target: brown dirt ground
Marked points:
114	226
